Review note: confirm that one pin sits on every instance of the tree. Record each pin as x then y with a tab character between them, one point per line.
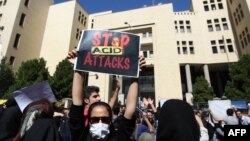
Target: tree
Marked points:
30	72
6	77
62	80
202	92
238	87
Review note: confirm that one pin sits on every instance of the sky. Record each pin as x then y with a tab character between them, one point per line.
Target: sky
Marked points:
94	6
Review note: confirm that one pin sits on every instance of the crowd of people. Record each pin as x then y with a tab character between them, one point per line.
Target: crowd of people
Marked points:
89	119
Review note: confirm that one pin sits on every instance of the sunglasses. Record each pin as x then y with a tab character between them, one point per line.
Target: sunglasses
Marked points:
94	120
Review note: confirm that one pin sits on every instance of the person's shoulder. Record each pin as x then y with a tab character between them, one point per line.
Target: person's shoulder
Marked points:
44	123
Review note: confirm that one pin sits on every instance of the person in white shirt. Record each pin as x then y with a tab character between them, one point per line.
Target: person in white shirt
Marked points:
244	120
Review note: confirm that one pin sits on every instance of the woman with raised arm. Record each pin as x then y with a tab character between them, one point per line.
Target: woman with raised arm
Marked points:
100	125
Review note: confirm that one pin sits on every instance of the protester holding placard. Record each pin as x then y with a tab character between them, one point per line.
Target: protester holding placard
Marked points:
100	125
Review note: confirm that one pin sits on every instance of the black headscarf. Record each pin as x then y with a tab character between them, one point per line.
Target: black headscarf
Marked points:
177	122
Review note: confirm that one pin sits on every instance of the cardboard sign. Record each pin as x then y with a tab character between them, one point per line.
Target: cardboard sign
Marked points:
108	52
219	108
33	93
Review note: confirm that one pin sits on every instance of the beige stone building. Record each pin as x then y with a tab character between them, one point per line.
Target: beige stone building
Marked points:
22	25
178	46
239	14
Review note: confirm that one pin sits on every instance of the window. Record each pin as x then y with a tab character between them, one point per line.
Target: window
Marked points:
209	22
248	38
80	35
240	10
85	21
189	29
21	22
26	3
77	33
1	15
224	23
229	45
222	49
242	44
213	7
145	54
221	42
1	28
241	41
206	8
5	1
17	40
79	16
184	50
12	59
235	19
183	43
247	34
182	30
150	34
210	28
220	5
230	48
214	50
176	29
151	54
228	41
82	19
191	50
225	26
217	27
214	47
1	3
178	50
190	43
213	42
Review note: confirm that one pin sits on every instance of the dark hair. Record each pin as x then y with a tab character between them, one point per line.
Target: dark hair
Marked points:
90	89
116	110
47	112
96	104
230	112
44	104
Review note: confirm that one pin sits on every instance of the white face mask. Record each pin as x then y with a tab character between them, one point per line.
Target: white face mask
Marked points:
99	130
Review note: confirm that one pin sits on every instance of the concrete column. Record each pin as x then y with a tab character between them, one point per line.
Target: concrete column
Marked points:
219	83
120	80
188	77
206	74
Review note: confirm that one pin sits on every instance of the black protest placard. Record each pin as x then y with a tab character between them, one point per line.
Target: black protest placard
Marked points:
108	52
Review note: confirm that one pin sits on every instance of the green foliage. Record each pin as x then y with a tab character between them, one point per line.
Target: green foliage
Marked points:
239	85
202	92
30	72
6	77
62	80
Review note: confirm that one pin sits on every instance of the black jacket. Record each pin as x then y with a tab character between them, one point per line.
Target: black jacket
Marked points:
81	133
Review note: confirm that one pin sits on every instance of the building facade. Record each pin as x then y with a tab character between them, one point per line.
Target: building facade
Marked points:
22	25
178	46
239	14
